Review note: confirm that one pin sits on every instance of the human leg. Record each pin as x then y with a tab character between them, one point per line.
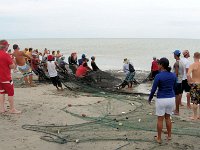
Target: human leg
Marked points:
188	100
12	108
168	125
2	103
194	108
159	128
177	102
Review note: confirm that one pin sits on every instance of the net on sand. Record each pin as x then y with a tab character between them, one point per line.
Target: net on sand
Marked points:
119	116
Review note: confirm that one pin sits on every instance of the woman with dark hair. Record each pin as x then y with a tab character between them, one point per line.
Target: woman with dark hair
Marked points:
165	81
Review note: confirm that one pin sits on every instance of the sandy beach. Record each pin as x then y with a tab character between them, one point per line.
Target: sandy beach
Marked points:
87	121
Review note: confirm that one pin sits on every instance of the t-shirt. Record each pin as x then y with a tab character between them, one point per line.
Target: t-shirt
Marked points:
94	66
186	65
5	71
166	83
51	66
180	66
154	66
81	71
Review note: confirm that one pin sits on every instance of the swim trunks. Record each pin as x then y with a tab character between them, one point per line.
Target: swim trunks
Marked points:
25	70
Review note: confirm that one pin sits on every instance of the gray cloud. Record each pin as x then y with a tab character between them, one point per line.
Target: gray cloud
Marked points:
99	18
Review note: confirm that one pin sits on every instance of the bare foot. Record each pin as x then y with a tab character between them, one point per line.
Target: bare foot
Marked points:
176	113
3	111
169	138
193	118
156	139
32	85
15	111
188	106
181	104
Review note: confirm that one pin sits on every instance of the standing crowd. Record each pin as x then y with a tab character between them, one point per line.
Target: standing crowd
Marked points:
185	76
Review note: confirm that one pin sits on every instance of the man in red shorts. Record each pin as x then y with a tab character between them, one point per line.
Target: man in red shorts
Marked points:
6	83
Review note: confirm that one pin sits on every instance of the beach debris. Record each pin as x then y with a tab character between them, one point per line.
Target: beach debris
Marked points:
138	96
98	101
132	104
58	131
102	92
77	140
139	120
150	113
120	123
69	105
123	112
83	115
126	117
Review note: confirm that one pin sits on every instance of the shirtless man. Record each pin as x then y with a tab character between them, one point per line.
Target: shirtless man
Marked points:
6	83
194	81
22	66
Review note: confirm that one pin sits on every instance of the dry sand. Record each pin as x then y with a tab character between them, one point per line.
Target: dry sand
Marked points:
42	105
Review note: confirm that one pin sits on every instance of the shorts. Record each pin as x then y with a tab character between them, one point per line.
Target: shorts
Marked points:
130	76
195	93
7	88
178	89
185	86
25	70
56	81
165	106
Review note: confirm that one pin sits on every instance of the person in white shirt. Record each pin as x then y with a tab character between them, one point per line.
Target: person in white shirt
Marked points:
185	85
51	67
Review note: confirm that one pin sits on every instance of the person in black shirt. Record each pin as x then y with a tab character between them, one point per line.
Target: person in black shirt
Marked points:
93	64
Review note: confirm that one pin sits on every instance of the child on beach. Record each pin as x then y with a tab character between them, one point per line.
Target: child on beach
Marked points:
51	67
165	81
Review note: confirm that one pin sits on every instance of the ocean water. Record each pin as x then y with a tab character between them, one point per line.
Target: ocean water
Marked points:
110	53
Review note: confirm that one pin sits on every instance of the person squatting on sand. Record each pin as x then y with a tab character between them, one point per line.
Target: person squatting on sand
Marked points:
23	67
165	81
51	67
185	85
6	83
178	69
194	81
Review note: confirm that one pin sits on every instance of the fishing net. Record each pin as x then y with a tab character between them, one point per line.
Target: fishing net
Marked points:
120	116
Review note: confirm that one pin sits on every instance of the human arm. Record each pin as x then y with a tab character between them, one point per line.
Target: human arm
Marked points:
176	67
154	88
189	74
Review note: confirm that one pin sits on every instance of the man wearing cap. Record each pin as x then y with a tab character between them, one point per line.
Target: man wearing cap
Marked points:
179	71
24	68
6	83
185	85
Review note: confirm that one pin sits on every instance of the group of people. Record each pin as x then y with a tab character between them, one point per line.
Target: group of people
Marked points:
28	61
184	77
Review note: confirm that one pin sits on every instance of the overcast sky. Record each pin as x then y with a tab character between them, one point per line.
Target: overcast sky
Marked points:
99	19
